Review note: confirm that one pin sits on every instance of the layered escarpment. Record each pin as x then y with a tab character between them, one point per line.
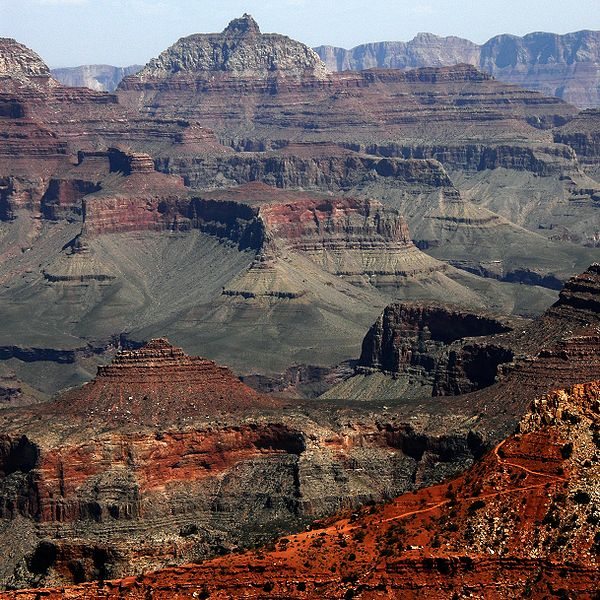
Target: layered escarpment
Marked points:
159	383
449	351
339	107
583	135
440	541
420	341
274	72
557	65
358	239
163	456
101	78
183	438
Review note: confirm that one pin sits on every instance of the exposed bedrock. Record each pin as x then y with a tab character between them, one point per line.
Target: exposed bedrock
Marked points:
557	65
437	542
315	166
190	462
582	291
583	135
102	78
419	340
543	160
493	360
221	487
28	354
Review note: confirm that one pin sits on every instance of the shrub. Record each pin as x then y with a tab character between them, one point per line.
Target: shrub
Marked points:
567	450
581	497
475	506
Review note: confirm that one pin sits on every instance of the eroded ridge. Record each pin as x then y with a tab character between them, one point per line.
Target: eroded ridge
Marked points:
444	541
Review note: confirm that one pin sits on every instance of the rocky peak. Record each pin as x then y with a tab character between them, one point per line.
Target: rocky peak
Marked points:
245	25
241	50
582	291
160	383
20	62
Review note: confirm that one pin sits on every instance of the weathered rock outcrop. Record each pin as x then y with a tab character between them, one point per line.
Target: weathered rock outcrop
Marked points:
357	239
158	433
453	352
583	135
438	542
420	340
159	383
335	106
360	240
76	155
424	50
558	65
241	51
162	456
338	107
102	78
17	61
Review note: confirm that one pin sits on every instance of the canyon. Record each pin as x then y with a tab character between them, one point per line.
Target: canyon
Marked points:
92	181
443	541
181	436
245	295
556	65
565	66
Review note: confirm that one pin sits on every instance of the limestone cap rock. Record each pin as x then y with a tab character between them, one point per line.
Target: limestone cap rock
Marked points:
239	51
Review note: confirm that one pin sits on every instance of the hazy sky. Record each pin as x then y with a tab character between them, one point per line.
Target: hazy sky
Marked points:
123	32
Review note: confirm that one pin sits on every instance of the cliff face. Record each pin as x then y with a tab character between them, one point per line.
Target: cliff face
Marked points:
451	352
360	240
421	341
100	233
557	65
583	135
439	541
240	51
336	107
425	50
101	78
163	456
160	433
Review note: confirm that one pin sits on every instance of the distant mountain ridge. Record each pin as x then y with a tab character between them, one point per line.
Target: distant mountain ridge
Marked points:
102	78
567	66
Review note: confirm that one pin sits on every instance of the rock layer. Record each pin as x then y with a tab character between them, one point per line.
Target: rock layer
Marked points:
559	65
159	383
440	541
158	433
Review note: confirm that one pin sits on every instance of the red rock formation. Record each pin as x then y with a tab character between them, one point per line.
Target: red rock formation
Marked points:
440	542
338	106
159	383
158	433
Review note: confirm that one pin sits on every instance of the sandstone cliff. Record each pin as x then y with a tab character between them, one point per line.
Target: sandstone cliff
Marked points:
443	541
558	65
102	78
165	457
